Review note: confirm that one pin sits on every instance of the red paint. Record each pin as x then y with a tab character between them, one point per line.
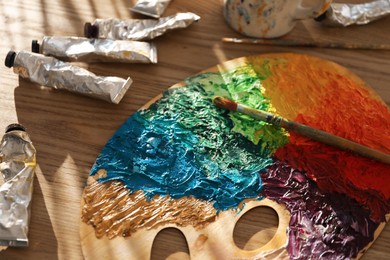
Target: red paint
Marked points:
354	114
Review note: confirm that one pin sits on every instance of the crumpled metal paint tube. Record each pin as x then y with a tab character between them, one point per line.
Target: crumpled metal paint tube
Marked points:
340	14
96	50
153	8
17	167
51	72
137	29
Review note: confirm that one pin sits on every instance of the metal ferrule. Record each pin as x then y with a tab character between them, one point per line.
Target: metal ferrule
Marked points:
51	72
98	50
142	29
17	166
153	8
348	14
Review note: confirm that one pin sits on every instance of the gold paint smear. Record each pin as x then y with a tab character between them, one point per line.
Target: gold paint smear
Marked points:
113	211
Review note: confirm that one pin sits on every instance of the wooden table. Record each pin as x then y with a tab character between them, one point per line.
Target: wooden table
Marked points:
69	130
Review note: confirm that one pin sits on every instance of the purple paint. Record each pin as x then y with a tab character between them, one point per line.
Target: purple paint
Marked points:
322	225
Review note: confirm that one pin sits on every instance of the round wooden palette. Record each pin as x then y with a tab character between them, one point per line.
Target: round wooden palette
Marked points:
329	202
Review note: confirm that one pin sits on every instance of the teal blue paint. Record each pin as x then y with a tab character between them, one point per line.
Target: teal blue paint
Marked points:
183	145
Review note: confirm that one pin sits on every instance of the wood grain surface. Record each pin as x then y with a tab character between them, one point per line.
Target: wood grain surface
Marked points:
69	130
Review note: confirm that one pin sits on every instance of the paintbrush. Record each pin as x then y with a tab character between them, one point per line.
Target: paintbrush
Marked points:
308	131
309	43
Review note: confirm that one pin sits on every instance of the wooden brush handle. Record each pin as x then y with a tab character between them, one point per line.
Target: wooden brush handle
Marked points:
315	134
333	140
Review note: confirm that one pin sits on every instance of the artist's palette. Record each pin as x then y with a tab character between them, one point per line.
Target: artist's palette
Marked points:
182	162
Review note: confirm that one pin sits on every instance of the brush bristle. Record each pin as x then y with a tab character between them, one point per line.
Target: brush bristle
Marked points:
225	103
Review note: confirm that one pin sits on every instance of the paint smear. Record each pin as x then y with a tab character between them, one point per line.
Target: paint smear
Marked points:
113	210
322	225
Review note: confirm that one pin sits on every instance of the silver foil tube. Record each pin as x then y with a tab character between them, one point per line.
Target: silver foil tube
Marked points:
153	8
137	29
340	14
51	72
96	50
17	167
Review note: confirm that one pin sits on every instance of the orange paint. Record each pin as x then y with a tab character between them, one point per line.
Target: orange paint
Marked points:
312	92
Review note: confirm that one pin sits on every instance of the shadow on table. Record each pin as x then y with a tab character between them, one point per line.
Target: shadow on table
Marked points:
68	133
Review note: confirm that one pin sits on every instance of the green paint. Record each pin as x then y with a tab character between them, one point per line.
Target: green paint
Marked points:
191	107
244	85
263	67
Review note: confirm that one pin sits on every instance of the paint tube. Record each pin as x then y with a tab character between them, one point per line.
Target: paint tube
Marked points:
340	14
51	72
153	8
96	50
137	29
17	166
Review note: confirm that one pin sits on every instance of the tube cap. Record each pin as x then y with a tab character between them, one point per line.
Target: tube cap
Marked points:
9	60
91	31
14	127
321	17
35	46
